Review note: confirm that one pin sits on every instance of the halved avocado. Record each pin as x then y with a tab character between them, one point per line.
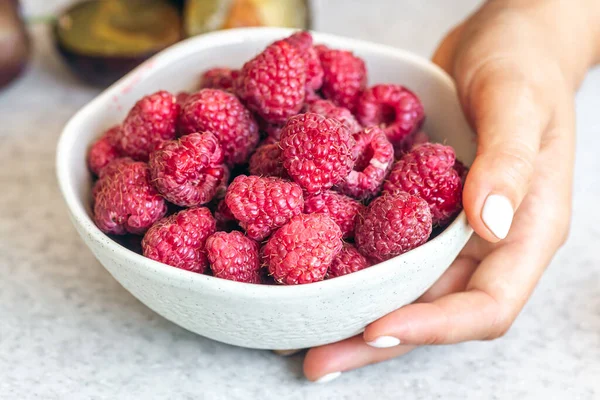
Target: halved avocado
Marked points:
101	40
202	16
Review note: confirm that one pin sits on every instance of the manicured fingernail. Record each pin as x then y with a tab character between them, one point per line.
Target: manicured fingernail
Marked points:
497	215
329	377
383	342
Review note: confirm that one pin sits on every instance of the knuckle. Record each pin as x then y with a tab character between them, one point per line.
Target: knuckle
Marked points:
499	328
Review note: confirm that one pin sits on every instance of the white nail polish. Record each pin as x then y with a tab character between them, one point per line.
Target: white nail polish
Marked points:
329	377
497	215
383	342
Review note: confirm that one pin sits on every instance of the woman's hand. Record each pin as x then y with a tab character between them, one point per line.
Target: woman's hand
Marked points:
516	65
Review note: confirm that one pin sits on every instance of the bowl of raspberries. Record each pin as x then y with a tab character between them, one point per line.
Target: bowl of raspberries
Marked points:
271	188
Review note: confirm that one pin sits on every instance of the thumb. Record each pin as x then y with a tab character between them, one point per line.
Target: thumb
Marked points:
509	117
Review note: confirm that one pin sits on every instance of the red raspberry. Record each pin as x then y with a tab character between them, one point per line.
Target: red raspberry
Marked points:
347	261
302	250
262	205
391	225
272	83
392	107
266	161
103	150
314	71
151	121
188	171
330	110
344	76
409	142
316	151
218	78
428	171
225	219
115	166
125	201
233	256
182	98
269	140
374	158
342	209
221	113
179	240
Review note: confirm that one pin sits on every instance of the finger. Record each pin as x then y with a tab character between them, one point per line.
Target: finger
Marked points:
455	279
509	118
505	279
444	54
325	363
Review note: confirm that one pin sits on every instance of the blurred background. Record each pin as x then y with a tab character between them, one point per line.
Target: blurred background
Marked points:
99	41
68	330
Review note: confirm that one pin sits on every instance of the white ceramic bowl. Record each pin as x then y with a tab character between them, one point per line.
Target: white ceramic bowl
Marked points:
256	316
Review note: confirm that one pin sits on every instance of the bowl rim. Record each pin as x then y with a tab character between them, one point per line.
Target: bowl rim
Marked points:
180	277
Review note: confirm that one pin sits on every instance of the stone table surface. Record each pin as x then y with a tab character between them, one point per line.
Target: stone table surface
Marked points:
69	331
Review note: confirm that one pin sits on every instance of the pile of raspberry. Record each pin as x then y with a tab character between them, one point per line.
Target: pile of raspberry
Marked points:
288	170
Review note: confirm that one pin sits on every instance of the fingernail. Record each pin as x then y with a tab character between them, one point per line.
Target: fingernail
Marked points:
383	342
497	215
329	377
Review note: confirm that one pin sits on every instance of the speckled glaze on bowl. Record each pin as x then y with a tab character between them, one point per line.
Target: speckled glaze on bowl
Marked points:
257	316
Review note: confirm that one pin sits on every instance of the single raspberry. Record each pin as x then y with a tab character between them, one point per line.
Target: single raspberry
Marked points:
392	107
263	204
347	261
302	250
273	83
188	171
314	71
151	121
374	158
218	78
179	240
428	171
182	98
266	161
225	220
221	113
316	151
103	150
344	76
125	201
234	256
115	166
409	142
342	209
391	225
267	141
330	110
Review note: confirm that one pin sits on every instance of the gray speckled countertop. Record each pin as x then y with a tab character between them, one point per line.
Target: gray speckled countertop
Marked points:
68	330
